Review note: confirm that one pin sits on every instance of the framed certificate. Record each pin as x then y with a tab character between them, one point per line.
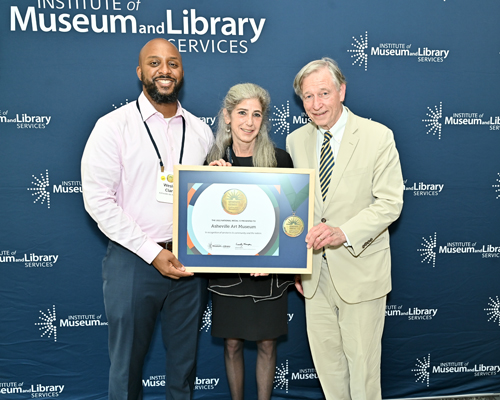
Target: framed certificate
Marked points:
243	219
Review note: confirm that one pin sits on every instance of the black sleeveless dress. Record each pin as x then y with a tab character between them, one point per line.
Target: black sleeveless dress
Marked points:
246	307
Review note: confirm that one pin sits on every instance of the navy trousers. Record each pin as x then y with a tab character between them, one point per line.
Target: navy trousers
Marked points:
135	294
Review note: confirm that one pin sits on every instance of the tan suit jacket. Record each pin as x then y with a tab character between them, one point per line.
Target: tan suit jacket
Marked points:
365	196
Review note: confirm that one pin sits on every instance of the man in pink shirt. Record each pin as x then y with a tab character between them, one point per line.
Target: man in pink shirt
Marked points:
126	168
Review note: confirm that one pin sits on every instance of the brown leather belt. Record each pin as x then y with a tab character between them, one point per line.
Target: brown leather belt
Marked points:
166	246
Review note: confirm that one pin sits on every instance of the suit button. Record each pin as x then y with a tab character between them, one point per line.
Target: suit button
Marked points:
367	242
323	220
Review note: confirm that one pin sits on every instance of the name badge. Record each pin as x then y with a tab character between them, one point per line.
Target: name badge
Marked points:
165	187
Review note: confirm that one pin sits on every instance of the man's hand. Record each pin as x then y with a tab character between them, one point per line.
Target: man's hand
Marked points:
220	163
323	235
298	284
168	265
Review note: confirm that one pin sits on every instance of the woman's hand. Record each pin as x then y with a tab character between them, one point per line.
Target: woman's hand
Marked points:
257	274
220	163
298	284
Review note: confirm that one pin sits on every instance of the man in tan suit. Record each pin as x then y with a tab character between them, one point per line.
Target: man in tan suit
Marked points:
346	292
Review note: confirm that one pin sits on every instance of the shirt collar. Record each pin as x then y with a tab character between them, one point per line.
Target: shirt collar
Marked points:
148	110
338	129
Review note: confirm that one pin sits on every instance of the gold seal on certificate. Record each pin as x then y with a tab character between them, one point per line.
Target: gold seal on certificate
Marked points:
234	201
293	226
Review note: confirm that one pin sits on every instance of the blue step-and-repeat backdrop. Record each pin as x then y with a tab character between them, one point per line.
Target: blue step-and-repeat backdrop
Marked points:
429	70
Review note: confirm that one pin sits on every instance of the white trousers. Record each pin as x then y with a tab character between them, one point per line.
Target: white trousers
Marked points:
345	341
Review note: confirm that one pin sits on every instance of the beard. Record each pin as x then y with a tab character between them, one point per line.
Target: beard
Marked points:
158	97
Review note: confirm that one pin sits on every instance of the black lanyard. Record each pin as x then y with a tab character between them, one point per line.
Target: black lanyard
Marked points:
229	153
154	143
231	157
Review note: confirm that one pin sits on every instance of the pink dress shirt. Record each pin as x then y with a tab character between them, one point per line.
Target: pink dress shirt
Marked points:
120	170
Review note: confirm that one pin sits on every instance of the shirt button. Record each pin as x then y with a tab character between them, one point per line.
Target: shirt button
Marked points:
323	220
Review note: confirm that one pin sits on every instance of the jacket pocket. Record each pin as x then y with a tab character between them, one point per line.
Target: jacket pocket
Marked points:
380	243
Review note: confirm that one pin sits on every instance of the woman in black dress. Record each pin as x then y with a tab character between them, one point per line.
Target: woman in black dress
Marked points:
248	307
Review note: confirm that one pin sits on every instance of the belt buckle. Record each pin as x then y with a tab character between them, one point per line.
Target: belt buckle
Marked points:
166	245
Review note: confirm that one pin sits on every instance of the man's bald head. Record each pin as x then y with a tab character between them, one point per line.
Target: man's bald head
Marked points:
156	45
160	71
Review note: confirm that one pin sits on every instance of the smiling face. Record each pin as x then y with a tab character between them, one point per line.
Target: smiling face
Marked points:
321	98
245	121
160	71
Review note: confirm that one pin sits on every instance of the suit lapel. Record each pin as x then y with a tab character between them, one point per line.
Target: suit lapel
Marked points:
347	147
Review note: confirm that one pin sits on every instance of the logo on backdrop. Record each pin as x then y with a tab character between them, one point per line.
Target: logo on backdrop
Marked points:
430	249
423	188
41	188
31	260
205	383
497	186
282	375
154	381
210	121
189	31
434	121
360	51
206	319
423	369
48	323
25	121
282	120
37	390
13	388
493	310
199	383
412	313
